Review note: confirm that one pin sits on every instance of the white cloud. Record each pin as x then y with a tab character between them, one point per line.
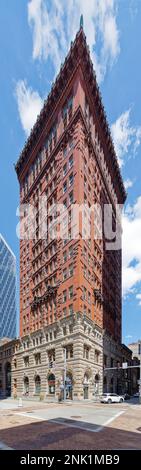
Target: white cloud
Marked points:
29	105
126	137
128	183
131	244
54	24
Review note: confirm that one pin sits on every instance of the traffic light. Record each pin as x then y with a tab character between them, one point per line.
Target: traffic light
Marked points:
50	364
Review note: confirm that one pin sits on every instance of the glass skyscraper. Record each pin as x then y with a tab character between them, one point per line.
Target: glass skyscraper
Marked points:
7	291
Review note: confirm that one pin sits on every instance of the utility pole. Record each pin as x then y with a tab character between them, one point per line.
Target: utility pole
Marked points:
65	372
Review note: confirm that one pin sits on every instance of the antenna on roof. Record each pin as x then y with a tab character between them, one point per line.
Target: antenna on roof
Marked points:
81	22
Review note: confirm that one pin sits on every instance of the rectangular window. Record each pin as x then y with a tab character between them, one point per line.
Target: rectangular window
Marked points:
64	169
64	274
65	187
64	296
65	256
97	356
71	351
70	292
37	359
70	144
71	161
85	271
86	352
84	293
71	270
65	203
71	197
70	251
71	309
89	297
71	179
89	275
65	152
69	235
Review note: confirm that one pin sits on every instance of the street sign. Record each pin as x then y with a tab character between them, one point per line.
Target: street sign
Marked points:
124	365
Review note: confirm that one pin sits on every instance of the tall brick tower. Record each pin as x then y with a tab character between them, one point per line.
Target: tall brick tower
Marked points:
69	158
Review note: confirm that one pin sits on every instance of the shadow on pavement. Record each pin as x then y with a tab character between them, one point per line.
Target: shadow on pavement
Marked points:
57	435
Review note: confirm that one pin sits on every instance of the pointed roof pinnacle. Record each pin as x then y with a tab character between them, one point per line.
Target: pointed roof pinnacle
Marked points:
81	22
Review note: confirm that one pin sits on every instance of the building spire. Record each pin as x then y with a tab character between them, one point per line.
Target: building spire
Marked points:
81	22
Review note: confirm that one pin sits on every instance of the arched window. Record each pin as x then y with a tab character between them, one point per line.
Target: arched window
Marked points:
86	386
51	384
26	385
37	385
96	384
69	385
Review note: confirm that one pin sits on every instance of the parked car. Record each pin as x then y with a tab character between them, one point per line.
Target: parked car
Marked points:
112	398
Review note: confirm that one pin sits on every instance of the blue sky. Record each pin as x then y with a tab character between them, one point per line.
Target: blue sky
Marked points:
35	36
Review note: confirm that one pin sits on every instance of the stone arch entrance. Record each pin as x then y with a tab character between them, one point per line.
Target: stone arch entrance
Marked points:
37	385
86	383
51	384
69	385
26	385
97	384
8	379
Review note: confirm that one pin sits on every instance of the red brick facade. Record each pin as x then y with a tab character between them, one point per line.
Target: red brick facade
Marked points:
69	158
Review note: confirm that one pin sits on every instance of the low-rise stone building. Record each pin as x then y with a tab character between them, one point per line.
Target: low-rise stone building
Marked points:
67	352
72	354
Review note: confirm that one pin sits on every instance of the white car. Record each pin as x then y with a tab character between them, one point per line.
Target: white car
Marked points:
112	398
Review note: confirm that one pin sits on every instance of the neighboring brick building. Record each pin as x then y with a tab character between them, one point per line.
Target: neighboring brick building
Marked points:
70	288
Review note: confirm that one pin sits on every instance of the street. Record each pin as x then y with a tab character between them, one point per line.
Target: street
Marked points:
69	426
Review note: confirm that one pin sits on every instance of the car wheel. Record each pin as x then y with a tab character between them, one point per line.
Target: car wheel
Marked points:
109	400
121	400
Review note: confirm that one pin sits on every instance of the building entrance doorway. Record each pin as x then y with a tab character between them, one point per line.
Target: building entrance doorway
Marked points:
8	379
51	384
69	386
86	392
86	387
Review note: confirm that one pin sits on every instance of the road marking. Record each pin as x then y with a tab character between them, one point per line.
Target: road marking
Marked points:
74	425
114	417
56	421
